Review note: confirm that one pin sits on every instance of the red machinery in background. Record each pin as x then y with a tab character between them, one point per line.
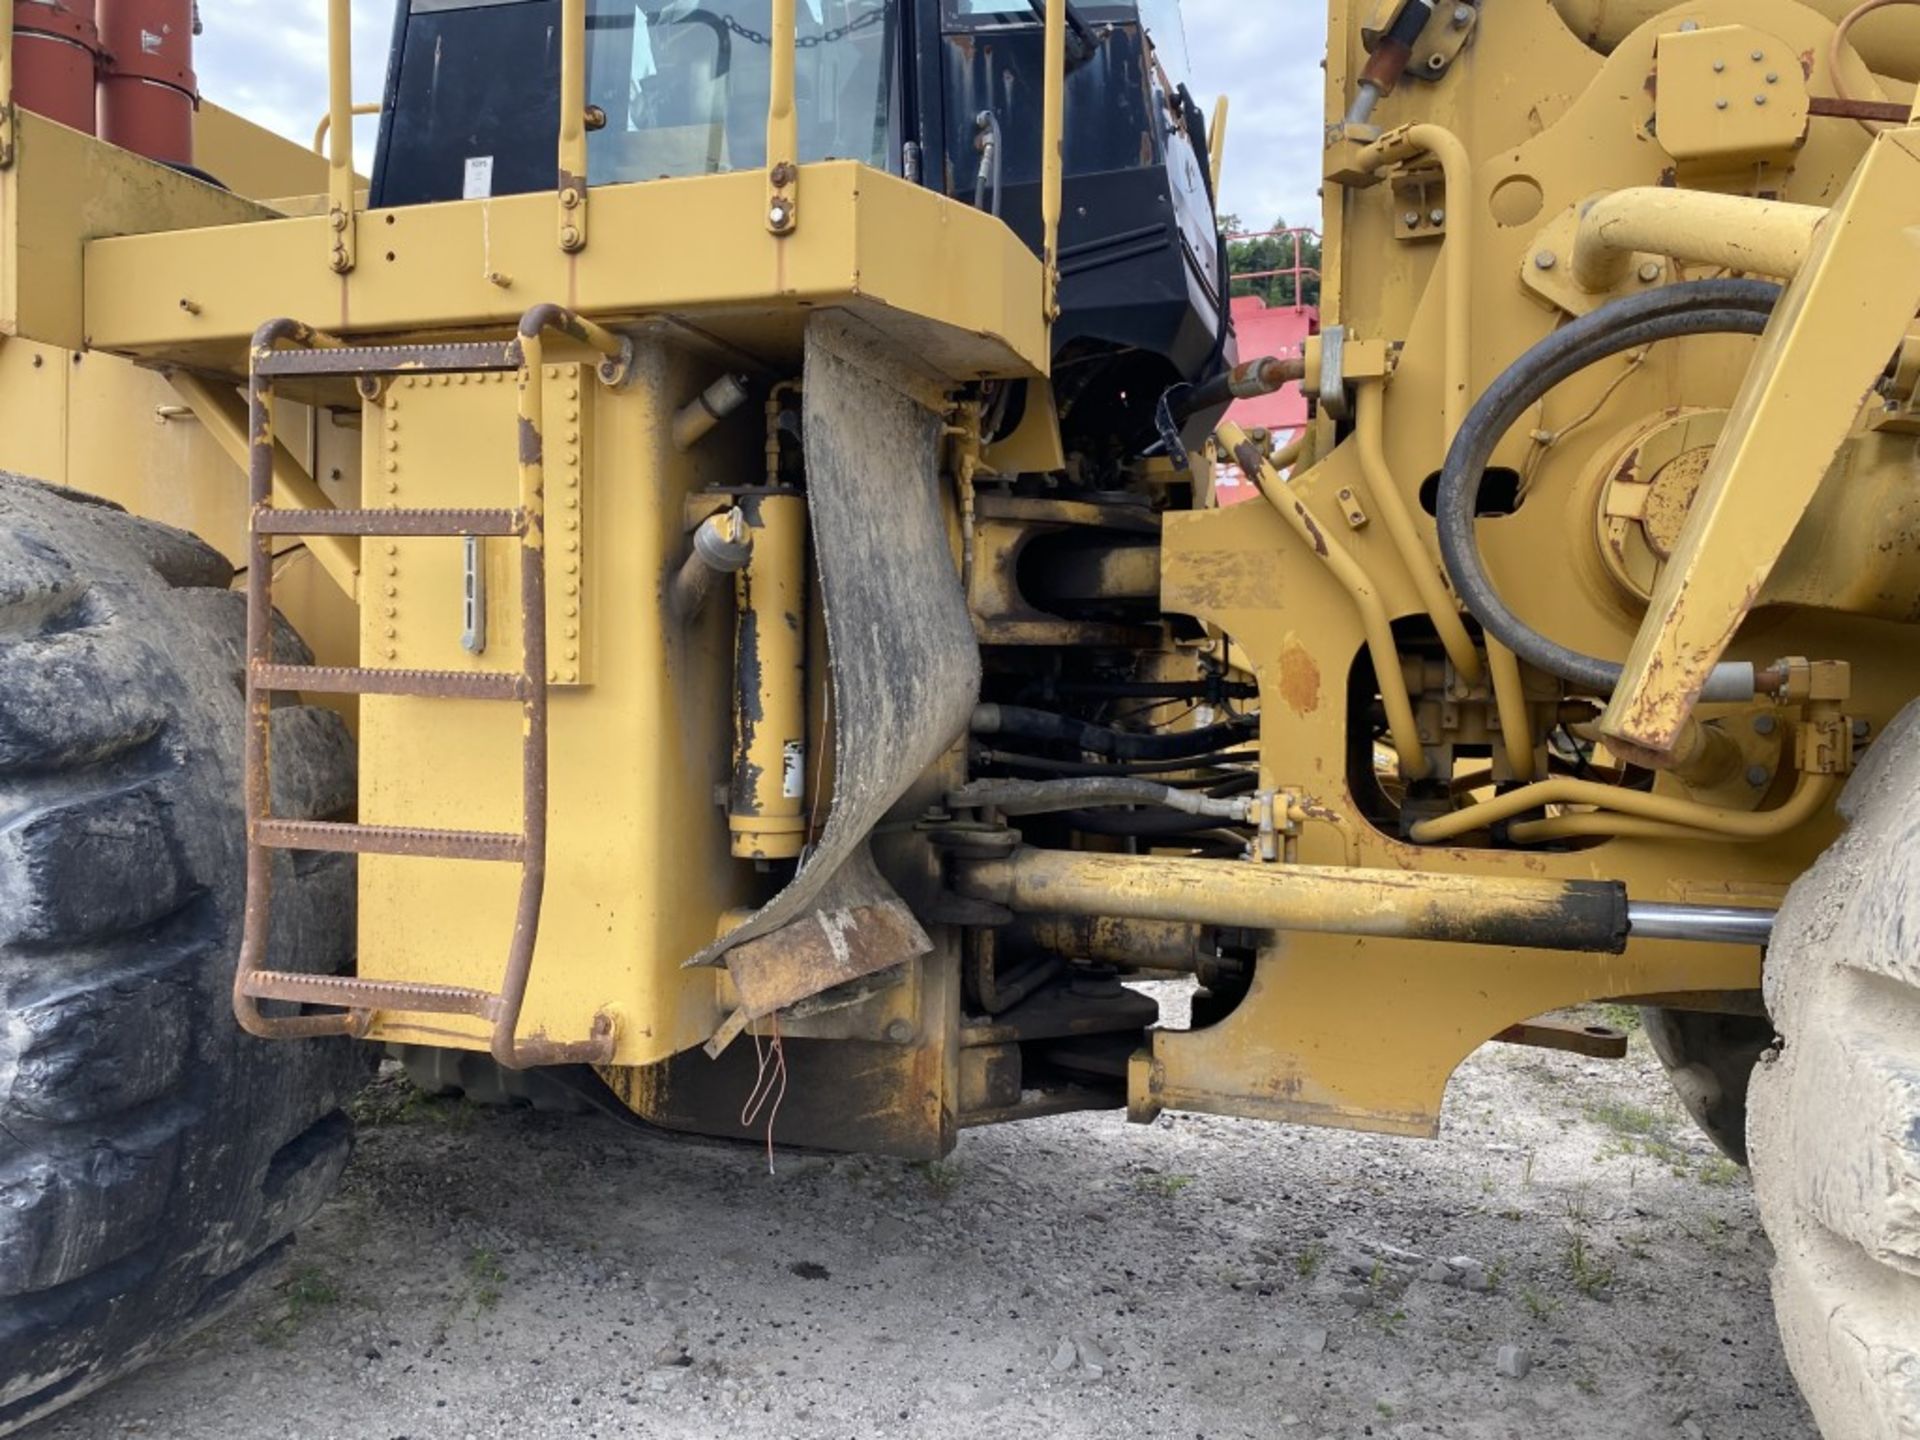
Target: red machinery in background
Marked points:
1268	329
119	69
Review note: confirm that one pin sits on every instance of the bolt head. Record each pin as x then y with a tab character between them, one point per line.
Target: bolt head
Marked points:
1773	77
1758	776
1545	260
900	1032
1721	103
1438	217
1411	219
1862	729
1719	67
1758	56
777	215
1764	724
1649	272
1759	99
1462	16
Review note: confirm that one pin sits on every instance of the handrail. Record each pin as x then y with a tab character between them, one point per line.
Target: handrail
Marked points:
783	122
325	127
6	92
1052	159
340	199
1217	144
573	125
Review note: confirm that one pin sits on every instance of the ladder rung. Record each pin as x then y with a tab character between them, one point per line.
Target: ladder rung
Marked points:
352	994
389	840
458	358
423	684
388	522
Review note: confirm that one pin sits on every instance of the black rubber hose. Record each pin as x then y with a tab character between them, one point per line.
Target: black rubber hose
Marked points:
1024	724
1695	307
1138	824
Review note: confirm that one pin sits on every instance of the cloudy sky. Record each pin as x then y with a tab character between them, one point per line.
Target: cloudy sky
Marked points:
267	59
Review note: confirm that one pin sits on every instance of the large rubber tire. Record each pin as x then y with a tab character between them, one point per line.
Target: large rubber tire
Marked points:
1834	1124
1710	1059
153	1158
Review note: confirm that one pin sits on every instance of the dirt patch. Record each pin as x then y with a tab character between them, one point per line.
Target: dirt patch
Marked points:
1570	1258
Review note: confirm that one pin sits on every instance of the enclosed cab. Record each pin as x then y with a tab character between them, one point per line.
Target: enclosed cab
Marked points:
947	93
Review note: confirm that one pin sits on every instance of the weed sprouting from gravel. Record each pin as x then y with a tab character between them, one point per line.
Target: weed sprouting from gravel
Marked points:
303	1293
1163	1184
1717	1170
1309	1260
942	1176
485	1276
1622	1017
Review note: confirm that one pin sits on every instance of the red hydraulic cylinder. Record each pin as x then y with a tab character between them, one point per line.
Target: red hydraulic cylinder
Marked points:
56	54
147	88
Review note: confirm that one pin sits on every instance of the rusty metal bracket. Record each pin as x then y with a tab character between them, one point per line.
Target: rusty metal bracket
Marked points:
1827	346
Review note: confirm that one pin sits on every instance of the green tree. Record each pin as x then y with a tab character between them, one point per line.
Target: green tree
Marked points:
1258	260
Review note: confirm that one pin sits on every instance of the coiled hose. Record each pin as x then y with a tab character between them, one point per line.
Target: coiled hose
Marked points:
1694	307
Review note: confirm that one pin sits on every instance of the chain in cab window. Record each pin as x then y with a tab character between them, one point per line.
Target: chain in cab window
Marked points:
685	85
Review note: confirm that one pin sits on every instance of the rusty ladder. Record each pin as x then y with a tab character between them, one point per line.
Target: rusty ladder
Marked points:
288	348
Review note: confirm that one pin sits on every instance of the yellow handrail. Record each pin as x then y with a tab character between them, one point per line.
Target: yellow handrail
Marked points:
1052	160
573	125
783	123
6	94
1217	138
340	141
325	127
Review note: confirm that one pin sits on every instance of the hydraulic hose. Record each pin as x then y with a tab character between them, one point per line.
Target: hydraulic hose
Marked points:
1696	307
1807	800
1027	724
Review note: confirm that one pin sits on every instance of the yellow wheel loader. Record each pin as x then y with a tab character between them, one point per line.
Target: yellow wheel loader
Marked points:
708	560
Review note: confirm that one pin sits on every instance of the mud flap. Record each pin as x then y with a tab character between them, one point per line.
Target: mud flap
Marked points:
904	663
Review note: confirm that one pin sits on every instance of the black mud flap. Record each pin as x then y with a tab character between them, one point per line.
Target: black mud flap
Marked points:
905	670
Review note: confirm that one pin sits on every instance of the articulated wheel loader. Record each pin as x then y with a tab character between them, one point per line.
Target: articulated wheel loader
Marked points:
709	546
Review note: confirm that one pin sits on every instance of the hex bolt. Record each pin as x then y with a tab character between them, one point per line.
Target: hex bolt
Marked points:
1438	217
1764	724
1649	272
1462	16
1719	67
1411	219
1545	260
900	1032
1758	776
1759	99
1773	77
1758	56
1721	103
1862	729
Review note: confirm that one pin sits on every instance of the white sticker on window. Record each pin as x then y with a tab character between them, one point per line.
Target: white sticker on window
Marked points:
793	784
479	184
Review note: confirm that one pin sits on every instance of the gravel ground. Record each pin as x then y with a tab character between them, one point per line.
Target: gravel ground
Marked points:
1568	1259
